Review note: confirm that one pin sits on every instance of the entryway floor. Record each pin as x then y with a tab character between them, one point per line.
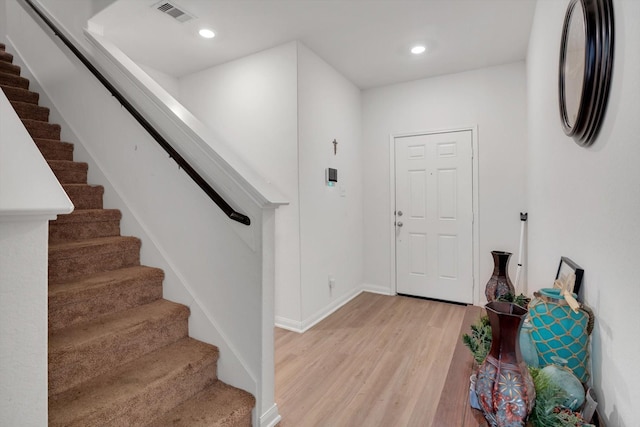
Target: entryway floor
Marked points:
377	361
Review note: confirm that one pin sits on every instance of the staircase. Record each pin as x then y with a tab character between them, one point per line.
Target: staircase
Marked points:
119	354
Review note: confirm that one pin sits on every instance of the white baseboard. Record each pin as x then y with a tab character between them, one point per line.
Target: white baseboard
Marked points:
288	324
305	325
270	418
330	309
377	289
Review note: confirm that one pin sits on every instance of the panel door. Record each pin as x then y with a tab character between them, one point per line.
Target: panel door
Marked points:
434	216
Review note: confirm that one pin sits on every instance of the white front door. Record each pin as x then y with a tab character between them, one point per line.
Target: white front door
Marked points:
434	216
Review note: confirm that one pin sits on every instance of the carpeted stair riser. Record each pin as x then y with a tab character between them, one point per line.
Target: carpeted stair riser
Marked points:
79	353
52	149
219	405
85	224
6	56
9	68
68	261
27	110
84	196
13	80
69	172
137	392
90	297
17	94
44	130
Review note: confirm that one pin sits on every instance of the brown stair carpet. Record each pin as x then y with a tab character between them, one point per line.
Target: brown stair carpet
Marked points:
119	354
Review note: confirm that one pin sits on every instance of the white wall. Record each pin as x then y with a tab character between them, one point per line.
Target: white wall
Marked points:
329	107
494	100
251	104
584	203
280	109
168	83
73	14
23	322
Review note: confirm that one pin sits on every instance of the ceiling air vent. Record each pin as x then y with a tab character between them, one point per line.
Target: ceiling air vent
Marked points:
174	11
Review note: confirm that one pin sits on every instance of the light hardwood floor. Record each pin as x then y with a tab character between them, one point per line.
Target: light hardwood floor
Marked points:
378	361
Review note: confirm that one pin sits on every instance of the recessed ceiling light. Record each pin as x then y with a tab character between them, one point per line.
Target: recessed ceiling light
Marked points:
206	33
417	50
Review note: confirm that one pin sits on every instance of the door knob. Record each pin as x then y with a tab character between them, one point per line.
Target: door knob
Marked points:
399	223
399	213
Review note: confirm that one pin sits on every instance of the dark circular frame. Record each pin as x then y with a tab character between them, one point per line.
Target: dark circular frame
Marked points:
598	67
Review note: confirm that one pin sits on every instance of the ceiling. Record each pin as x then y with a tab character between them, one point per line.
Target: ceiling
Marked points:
368	41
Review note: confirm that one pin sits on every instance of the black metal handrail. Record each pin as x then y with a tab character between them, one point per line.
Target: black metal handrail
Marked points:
182	163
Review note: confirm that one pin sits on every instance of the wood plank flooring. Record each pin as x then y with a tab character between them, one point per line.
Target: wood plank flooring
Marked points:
378	361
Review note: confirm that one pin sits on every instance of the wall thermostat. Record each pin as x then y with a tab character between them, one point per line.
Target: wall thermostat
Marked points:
331	176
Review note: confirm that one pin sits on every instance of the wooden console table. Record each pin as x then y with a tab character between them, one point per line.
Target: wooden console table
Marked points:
453	408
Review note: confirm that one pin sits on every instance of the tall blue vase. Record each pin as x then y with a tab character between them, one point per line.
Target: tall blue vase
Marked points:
527	347
561	332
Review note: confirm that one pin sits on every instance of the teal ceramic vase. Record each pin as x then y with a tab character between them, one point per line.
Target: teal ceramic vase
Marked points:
559	331
563	378
504	386
527	347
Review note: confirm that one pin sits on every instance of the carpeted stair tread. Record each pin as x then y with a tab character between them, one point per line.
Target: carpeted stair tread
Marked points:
219	405
6	56
83	215
85	224
94	296
53	149
12	80
27	110
69	172
85	196
17	94
9	68
39	129
82	351
71	260
137	392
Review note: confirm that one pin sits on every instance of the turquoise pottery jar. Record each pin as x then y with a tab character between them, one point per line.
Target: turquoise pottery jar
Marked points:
527	347
558	331
563	378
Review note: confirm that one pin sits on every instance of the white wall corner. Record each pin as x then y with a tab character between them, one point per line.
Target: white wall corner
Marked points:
378	289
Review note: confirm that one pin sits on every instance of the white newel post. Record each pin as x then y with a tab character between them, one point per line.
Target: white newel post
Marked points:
268	408
30	196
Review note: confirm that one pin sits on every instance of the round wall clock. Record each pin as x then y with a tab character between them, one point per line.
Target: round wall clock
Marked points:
586	62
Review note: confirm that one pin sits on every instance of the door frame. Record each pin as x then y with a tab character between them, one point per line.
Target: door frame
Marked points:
475	203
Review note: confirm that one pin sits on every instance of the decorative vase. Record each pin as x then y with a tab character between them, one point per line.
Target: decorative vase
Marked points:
504	386
499	284
559	331
563	378
527	347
